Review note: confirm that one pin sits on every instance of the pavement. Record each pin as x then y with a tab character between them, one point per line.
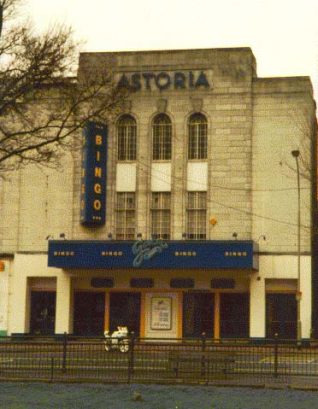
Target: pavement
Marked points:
35	395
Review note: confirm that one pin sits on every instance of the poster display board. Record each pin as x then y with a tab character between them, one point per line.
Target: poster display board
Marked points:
161	313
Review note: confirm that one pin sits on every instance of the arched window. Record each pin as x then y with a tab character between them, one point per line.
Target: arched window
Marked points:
126	138
161	138
198	137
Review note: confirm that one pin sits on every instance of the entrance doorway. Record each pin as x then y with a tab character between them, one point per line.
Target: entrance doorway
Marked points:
42	317
89	312
198	314
234	315
124	310
281	315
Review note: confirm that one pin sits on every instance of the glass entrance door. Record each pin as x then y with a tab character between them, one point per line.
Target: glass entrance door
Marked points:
281	316
198	314
234	315
42	317
124	310
89	312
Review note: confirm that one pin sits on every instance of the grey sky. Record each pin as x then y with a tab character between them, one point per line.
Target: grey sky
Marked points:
283	34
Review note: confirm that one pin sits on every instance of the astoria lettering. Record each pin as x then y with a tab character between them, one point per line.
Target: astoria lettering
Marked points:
163	80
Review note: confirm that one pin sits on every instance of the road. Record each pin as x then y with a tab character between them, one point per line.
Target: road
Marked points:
69	396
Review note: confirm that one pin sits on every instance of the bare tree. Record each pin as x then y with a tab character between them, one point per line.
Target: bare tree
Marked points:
305	125
41	102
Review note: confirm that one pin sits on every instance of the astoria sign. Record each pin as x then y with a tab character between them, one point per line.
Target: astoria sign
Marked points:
164	80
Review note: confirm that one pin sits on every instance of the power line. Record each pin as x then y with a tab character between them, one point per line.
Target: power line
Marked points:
243	211
246	212
227	188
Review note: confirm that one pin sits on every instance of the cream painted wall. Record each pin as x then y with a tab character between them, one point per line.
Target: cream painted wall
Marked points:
9	212
4	296
126	177
197	176
271	267
37	202
253	124
252	127
161	177
281	123
257	307
162	278
63	304
27	266
279	268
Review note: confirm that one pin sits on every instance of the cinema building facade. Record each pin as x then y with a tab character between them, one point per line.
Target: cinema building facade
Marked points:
180	217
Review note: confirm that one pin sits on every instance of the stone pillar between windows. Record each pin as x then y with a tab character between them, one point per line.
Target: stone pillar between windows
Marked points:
257	307
63	305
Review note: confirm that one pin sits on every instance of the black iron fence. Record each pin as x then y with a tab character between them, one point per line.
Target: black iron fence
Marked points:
200	360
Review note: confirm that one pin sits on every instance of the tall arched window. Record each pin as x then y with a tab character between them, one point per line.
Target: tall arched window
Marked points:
161	137
126	138
198	137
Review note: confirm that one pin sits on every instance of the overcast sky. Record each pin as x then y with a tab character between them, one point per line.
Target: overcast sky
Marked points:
283	34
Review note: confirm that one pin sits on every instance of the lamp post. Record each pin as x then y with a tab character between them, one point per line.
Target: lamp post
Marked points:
296	154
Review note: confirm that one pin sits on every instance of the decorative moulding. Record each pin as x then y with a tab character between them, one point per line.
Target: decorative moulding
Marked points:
197	104
162	105
127	105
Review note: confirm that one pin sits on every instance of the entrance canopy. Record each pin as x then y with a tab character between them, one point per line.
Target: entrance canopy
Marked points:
150	254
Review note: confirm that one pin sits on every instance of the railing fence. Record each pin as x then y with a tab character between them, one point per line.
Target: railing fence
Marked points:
200	360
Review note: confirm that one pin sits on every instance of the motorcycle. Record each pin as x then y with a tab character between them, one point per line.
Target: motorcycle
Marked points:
118	340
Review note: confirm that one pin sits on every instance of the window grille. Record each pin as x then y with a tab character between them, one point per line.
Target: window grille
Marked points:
125	216
198	135
161	138
196	215
161	215
126	138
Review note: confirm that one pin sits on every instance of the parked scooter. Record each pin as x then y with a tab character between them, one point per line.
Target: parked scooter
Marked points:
118	340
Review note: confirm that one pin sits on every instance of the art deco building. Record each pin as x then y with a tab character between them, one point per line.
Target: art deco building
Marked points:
181	215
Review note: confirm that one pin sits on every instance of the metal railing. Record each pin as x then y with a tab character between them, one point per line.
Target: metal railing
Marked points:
201	360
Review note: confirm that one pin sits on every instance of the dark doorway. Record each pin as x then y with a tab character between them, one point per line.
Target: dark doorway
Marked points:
42	317
198	314
125	311
89	312
281	316
234	315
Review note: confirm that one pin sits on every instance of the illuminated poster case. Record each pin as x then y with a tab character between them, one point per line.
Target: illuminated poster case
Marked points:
161	313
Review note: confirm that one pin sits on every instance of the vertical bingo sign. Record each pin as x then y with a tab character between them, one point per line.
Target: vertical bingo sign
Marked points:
93	183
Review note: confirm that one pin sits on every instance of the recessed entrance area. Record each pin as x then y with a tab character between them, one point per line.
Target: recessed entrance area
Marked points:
89	312
281	315
234	315
42	317
124	310
198	314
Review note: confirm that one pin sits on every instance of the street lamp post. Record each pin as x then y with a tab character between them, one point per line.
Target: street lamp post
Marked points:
296	154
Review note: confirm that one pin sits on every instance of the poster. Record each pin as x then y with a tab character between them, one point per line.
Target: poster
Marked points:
161	313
